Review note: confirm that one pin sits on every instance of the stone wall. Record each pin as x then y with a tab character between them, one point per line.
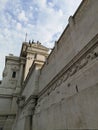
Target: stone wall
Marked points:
32	83
68	84
82	27
68	81
8	109
9	89
70	100
28	96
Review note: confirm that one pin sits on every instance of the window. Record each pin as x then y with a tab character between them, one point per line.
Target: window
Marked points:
14	74
0	82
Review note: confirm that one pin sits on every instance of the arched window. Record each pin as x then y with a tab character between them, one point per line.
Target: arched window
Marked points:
14	74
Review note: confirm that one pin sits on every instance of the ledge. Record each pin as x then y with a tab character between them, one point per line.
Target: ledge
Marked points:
78	62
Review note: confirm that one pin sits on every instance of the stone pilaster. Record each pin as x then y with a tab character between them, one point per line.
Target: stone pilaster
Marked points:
29	112
20	77
20	74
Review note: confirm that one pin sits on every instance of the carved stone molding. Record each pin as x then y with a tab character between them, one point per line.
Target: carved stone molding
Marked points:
20	101
15	68
29	105
84	57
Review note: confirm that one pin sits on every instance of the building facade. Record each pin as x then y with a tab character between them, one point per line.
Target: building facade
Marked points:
59	91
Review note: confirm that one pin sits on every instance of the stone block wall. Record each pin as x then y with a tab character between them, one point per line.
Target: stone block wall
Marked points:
82	27
70	101
68	81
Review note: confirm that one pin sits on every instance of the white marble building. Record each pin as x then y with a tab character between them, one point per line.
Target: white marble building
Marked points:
59	92
14	78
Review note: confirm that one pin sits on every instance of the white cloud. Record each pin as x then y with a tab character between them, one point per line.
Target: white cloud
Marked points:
2	4
19	26
50	4
40	3
31	8
43	21
72	6
22	16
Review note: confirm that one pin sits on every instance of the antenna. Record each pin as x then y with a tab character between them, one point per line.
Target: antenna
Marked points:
26	37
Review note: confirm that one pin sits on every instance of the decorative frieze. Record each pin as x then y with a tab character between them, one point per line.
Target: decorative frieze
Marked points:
90	52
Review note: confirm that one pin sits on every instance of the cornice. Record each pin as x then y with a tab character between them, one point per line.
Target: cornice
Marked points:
88	53
33	52
23	103
6	96
15	58
32	98
40	47
38	62
6	115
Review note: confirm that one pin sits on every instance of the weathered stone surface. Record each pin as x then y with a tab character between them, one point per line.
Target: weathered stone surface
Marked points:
15	71
61	93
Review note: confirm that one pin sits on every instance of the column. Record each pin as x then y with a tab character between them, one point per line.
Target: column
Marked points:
20	74
20	78
29	114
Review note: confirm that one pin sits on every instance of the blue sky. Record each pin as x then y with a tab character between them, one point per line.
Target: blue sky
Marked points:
42	20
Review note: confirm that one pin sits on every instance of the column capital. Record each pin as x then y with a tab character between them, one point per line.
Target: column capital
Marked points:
29	106
21	101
